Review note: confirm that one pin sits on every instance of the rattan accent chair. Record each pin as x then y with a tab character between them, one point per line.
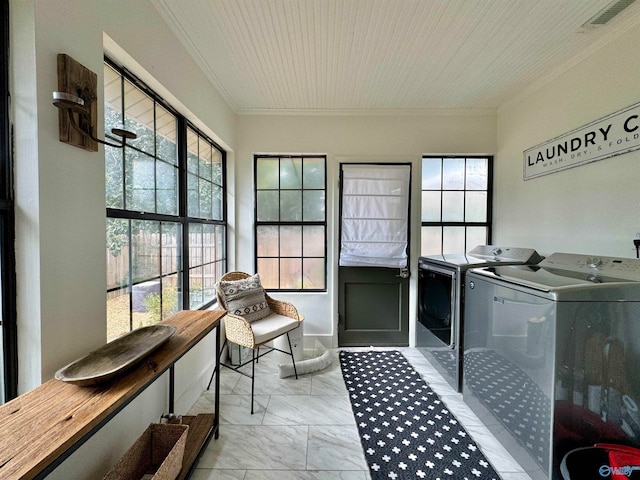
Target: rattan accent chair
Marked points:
241	329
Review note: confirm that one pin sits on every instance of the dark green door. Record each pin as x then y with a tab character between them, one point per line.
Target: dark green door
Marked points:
373	281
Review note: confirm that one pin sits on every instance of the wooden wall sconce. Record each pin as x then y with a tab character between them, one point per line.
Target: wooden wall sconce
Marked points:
76	99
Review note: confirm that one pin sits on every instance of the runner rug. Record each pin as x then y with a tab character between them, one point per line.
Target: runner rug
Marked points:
405	429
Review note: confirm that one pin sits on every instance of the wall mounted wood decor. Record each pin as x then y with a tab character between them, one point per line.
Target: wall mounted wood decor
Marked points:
75	79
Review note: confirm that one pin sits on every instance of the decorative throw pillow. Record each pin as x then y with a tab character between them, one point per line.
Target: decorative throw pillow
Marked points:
245	298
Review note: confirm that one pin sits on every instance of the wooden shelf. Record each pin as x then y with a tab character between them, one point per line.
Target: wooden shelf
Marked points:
200	431
41	428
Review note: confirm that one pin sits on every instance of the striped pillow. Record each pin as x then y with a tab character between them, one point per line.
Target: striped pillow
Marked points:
245	298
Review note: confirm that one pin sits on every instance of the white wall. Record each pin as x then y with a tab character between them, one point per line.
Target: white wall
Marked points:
60	188
60	209
349	138
593	208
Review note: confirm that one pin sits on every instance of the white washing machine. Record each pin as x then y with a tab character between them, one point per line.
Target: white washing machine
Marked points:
552	358
441	302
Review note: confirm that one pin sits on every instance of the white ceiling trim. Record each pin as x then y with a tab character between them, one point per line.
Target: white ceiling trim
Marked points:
432	112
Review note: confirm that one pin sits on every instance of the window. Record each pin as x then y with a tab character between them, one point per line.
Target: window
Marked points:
290	221
8	323
456	204
166	216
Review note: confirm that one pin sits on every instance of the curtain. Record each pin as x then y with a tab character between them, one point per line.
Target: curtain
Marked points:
375	209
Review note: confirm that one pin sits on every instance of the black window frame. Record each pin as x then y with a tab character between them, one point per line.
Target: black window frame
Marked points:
257	224
181	218
7	222
443	224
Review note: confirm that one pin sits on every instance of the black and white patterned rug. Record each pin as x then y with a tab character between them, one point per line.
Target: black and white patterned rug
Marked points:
405	429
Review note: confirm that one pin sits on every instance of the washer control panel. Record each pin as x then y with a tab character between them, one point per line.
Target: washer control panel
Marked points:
622	268
506	254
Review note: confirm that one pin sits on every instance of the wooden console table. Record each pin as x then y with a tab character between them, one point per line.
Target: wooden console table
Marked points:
41	428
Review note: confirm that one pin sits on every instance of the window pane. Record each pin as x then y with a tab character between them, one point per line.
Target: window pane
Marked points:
171	258
217	203
452	206
268	206
196	296
269	272
431	173
313	241
195	243
291	273
118	311
140	180
118	314
220	245
431	203
267	239
313	173
192	151
117	253
313	273
167	188
291	241
209	282
477	173
453	239
430	240
112	99
476	236
145	250
170	301
216	166
166	135
313	205
290	173
268	173
203	255
139	117
290	205
453	174
114	173
162	302
208	244
204	193
204	154
476	206
193	203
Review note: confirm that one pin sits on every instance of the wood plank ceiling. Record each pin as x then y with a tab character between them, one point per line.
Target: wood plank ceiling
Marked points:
270	56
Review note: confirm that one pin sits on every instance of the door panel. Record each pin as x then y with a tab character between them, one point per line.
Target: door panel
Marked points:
373	307
373	284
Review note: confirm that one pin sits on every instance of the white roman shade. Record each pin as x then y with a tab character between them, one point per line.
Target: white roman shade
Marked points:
375	209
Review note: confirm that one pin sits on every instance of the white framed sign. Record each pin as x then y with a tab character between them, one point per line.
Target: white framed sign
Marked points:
615	134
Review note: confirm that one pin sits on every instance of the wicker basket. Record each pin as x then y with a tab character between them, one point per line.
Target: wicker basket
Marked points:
157	454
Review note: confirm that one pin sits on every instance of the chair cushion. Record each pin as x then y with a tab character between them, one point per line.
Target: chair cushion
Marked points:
271	327
245	298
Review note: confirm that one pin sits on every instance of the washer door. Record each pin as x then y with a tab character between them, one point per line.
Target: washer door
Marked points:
434	304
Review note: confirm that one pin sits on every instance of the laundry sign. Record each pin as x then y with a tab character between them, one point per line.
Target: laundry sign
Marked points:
615	134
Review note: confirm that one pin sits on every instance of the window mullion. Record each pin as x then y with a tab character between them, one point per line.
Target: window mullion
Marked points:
183	211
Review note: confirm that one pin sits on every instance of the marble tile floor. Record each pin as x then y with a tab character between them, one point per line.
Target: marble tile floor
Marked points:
304	429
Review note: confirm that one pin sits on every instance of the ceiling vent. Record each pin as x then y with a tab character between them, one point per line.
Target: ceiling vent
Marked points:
606	14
